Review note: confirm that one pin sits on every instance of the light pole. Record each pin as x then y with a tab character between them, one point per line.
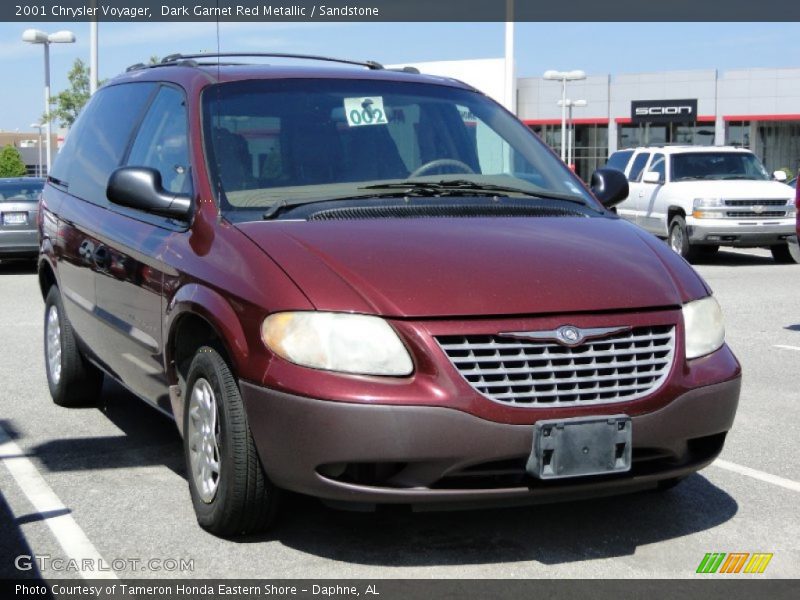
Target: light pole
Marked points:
93	58
570	104
510	81
563	77
36	36
39	126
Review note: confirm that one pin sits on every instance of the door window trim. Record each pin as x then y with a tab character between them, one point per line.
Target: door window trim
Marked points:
145	217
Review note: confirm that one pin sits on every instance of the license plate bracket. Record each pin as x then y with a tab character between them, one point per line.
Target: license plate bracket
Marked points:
581	446
15	218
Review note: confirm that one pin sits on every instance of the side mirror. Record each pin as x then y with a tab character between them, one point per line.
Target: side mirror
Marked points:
780	176
609	186
140	188
651	177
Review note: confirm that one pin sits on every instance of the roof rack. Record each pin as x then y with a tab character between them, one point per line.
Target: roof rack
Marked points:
173	59
188	60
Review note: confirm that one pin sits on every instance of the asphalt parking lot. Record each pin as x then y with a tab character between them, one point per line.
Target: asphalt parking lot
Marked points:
114	479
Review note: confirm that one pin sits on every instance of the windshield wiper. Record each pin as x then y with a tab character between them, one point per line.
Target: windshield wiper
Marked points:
273	210
447	187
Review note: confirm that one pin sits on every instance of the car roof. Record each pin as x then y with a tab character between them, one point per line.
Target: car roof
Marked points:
184	71
677	149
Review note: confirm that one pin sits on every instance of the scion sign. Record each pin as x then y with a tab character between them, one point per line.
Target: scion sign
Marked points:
663	111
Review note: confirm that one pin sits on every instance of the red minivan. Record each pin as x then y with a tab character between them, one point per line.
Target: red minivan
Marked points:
370	286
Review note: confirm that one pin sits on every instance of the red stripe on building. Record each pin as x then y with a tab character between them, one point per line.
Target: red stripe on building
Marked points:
794	117
586	121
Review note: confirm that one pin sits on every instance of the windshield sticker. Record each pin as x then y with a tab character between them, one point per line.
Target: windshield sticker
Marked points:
365	111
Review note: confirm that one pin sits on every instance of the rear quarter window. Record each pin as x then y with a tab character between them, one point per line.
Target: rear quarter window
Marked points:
99	138
619	160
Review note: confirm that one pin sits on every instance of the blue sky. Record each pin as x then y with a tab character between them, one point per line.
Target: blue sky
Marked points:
596	48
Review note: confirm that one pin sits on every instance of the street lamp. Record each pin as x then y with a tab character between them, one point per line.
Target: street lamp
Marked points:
570	104
36	36
93	51
563	77
39	127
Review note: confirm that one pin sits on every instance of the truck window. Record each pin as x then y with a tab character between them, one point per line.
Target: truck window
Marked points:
638	166
658	165
619	160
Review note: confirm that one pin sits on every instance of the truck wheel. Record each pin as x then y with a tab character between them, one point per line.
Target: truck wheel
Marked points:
679	238
230	491
73	381
782	255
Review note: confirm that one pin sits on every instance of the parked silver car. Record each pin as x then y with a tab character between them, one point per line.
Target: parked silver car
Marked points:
19	208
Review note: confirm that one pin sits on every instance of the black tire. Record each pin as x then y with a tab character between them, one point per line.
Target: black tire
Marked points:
79	382
782	255
679	238
245	501
708	251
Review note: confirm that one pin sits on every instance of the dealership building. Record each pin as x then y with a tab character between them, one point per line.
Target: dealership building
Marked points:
757	109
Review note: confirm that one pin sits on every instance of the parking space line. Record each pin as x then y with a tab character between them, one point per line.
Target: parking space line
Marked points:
66	530
787	347
756	474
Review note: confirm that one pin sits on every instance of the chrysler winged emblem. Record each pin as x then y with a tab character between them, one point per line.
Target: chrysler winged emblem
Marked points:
566	335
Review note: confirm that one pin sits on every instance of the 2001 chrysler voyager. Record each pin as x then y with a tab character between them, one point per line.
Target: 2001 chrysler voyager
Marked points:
370	286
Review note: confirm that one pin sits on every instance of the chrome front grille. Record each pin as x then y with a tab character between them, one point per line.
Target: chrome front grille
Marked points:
617	368
747	209
755	202
751	214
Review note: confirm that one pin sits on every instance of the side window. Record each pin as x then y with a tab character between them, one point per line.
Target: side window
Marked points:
638	166
658	165
98	140
163	142
619	160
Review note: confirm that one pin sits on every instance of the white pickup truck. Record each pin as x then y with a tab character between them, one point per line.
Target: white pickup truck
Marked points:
702	197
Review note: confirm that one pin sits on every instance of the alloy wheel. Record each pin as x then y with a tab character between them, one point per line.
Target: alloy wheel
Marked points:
53	338
203	436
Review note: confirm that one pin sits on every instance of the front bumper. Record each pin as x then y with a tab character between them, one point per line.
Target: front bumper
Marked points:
366	453
18	242
740	232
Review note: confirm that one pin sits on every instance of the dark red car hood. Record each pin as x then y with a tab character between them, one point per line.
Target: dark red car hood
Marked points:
477	266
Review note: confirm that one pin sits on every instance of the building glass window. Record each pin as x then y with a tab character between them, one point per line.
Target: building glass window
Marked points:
646	134
590	145
777	144
738	134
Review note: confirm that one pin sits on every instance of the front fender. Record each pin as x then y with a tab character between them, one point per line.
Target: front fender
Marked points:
210	305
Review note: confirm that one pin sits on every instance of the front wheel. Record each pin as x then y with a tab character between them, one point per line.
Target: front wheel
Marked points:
783	255
73	381
230	491
679	238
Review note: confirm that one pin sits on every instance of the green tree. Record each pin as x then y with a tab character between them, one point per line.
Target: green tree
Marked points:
11	164
66	105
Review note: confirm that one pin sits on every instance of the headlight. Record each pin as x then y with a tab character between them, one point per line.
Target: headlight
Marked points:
700	206
337	342
705	331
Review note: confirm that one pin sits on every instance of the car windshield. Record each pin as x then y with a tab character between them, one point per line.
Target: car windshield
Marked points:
293	141
717	165
21	191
